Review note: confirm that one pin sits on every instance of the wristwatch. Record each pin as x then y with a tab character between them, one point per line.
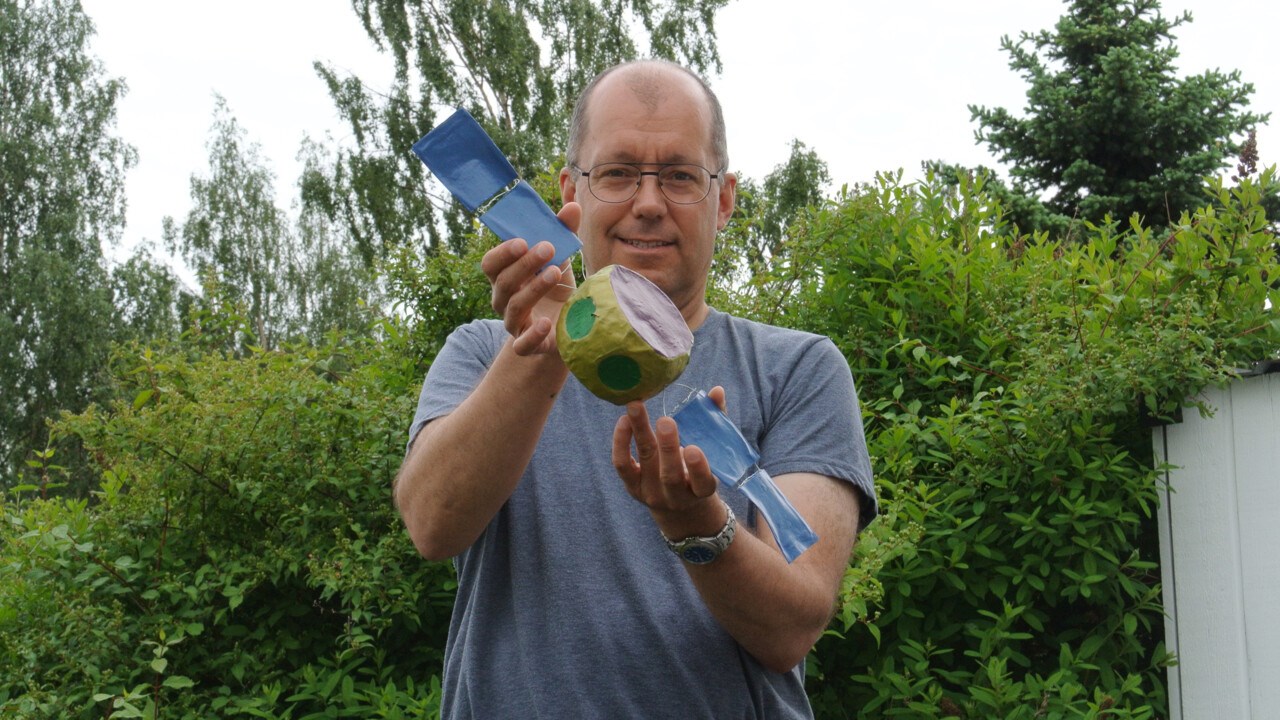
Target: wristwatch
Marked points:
702	550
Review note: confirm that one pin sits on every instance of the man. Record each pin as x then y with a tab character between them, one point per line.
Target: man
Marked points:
562	516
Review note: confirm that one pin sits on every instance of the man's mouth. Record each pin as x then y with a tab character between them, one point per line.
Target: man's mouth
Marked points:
646	244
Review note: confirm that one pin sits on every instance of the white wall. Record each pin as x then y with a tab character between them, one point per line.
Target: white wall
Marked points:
1220	554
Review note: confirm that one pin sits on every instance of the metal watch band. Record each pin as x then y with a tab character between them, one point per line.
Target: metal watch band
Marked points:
702	550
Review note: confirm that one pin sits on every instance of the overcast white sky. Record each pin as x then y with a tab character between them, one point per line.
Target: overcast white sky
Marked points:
870	86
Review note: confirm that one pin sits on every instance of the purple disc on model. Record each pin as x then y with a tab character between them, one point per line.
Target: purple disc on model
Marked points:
651	313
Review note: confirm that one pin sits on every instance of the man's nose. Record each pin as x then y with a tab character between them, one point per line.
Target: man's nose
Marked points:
649	197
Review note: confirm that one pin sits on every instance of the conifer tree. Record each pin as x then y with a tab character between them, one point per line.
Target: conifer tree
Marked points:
1109	126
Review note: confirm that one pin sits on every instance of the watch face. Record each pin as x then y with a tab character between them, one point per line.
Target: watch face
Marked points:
698	554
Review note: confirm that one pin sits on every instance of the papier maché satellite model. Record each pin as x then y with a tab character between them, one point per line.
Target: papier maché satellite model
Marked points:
619	334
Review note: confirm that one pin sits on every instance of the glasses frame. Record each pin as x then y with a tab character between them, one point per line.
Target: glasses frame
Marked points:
640	180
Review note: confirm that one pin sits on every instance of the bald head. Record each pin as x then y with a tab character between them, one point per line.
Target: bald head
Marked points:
651	82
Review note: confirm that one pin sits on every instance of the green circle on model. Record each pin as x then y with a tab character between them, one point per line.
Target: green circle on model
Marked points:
580	319
619	372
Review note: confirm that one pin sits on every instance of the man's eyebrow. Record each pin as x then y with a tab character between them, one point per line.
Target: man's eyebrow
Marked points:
631	159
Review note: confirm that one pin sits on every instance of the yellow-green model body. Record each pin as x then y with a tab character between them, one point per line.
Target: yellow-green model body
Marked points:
601	335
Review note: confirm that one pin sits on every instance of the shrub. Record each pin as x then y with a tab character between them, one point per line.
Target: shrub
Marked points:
241	556
1007	384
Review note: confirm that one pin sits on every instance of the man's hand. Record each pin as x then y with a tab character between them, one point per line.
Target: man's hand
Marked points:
527	295
675	484
776	610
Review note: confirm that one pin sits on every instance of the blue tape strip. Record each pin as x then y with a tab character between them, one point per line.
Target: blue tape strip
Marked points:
522	213
733	462
793	534
463	157
701	423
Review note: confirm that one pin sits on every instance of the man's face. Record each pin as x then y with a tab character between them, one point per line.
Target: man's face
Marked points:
668	243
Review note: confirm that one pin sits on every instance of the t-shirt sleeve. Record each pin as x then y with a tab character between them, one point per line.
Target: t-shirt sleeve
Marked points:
816	426
465	358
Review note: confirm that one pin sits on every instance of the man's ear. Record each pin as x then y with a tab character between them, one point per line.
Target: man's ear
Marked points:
568	187
726	200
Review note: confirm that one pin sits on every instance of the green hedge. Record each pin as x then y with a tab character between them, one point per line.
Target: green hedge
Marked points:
241	556
1009	384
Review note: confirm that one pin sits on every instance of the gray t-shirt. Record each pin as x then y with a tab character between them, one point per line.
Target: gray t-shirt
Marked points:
569	604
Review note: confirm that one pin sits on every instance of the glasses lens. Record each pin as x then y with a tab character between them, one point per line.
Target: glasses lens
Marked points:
684	184
614	182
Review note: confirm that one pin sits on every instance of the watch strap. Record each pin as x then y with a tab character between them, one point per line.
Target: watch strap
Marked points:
700	550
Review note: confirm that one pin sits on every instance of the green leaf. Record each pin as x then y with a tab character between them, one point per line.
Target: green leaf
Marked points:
126	710
178	682
1130	623
142	398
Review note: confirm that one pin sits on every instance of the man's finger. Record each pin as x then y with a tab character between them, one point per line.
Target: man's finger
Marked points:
521	303
717	397
668	437
623	463
500	256
520	272
534	338
641	433
496	265
701	480
571	215
671	469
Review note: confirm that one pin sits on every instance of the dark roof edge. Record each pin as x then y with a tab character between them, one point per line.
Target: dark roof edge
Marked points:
1262	367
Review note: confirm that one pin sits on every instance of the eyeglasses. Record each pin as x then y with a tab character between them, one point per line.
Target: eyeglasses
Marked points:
681	183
